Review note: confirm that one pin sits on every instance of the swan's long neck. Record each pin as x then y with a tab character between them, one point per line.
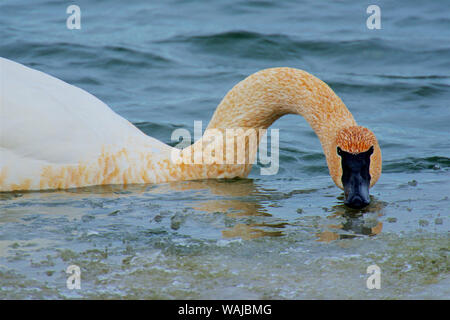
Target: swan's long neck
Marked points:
265	96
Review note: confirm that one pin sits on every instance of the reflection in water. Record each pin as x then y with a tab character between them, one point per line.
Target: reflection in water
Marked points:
236	208
248	232
356	222
240	205
244	202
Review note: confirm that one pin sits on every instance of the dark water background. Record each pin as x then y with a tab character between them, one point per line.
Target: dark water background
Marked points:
164	64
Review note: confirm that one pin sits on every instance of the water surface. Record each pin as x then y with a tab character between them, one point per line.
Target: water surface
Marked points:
164	64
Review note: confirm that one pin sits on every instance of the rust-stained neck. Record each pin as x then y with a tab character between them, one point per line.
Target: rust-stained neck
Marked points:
262	98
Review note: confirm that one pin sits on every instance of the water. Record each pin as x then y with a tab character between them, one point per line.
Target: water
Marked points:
164	64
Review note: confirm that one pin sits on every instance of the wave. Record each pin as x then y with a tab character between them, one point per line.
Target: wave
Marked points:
412	164
407	89
92	56
278	46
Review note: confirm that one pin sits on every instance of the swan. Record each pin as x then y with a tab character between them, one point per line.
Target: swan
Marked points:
54	135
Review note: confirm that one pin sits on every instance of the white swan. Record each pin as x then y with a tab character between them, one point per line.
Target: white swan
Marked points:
54	135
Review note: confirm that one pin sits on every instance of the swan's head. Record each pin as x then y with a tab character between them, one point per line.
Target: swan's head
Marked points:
357	164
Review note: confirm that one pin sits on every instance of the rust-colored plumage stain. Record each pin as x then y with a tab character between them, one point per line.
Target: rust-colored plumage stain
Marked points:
355	139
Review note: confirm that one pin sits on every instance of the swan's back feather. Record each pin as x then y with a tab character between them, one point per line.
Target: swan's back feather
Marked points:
44	118
50	126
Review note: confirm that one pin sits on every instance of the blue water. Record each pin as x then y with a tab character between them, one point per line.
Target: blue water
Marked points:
164	64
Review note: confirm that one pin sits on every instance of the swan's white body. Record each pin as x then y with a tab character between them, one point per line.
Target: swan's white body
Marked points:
47	124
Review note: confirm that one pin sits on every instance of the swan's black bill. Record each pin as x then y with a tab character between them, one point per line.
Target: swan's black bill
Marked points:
356	177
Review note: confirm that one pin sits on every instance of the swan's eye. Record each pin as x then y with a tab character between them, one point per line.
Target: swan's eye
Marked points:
339	151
